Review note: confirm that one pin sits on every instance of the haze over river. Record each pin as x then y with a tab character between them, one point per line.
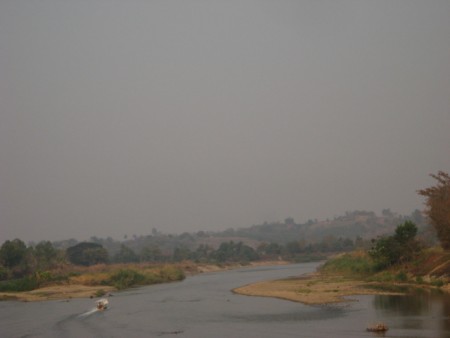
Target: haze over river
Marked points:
204	306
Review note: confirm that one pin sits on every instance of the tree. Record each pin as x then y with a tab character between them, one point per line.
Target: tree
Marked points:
438	207
45	254
399	248
271	249
293	248
202	253
181	253
126	255
405	232
234	252
87	254
385	251
151	254
12	253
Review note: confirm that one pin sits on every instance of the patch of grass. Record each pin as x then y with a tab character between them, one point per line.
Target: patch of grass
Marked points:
383	277
352	264
303	290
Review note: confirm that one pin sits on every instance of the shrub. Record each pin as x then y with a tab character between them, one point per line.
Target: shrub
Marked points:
21	284
419	280
125	278
401	276
171	273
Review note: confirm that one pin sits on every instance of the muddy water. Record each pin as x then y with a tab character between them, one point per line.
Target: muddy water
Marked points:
204	306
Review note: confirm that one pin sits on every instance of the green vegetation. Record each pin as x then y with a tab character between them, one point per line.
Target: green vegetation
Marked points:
125	278
354	264
393	252
397	249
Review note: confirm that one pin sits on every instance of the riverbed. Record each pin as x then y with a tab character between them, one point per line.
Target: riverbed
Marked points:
204	306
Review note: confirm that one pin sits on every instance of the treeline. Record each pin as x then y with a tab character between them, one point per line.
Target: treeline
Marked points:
27	267
292	251
365	224
18	260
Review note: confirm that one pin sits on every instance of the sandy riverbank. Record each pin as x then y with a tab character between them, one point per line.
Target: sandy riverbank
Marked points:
310	289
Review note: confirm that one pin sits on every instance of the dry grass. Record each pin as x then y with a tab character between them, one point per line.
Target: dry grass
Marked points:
90	279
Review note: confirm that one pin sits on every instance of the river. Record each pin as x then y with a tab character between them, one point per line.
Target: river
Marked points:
204	306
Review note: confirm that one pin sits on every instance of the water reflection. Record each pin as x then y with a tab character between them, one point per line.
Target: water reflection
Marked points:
405	305
418	310
416	303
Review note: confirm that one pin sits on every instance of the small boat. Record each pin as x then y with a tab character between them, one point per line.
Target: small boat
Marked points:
102	304
380	327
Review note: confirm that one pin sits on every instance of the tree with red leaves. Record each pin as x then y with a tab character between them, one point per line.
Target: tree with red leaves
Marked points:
438	207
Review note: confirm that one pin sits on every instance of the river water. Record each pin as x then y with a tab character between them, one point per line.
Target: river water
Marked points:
204	306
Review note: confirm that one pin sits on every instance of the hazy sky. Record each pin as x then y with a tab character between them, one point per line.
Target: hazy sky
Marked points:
117	117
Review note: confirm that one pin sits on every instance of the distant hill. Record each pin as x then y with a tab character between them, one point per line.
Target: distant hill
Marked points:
354	226
363	224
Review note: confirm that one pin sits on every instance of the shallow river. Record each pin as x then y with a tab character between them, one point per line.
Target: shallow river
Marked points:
204	306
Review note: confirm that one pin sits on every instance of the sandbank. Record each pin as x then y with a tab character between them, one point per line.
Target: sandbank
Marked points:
311	289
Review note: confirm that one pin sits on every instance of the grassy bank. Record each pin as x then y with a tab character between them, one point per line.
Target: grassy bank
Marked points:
357	274
431	268
94	281
129	275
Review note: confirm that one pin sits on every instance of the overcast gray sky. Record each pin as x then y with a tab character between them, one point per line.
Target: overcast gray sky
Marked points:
117	117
